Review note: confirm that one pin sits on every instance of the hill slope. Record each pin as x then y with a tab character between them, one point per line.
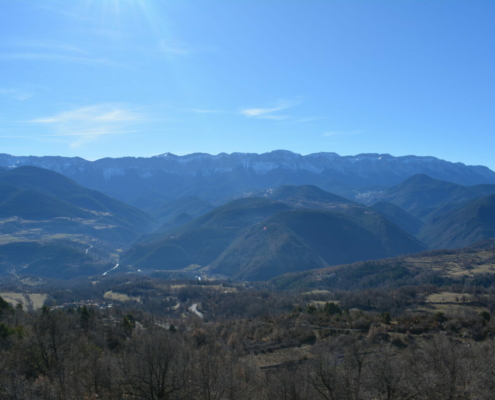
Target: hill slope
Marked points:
257	238
472	265
34	205
306	196
425	197
193	206
307	239
55	259
203	239
463	226
398	216
62	188
52	226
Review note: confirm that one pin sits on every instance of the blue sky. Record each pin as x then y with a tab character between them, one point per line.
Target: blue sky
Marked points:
97	78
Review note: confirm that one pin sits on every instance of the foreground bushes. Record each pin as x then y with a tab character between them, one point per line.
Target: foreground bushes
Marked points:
86	354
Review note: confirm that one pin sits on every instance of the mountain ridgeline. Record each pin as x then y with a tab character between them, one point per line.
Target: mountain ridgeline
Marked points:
440	214
462	226
256	238
300	240
52	226
145	182
49	223
425	197
48	192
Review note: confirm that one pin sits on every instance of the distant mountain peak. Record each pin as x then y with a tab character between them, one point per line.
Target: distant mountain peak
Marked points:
165	155
420	178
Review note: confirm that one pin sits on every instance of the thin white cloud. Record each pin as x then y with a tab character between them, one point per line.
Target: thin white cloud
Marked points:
17	94
266	113
258	112
89	123
93	114
273	117
53	51
55	46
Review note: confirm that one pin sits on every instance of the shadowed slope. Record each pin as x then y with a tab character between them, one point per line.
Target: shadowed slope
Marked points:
463	226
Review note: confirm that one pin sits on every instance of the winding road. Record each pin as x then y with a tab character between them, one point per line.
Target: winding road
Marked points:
111	269
194	309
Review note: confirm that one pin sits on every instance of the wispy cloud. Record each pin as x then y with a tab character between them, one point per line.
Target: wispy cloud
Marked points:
54	51
267	113
260	112
17	94
97	113
49	45
86	124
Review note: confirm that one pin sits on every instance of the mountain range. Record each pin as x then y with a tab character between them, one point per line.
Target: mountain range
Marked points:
241	216
219	178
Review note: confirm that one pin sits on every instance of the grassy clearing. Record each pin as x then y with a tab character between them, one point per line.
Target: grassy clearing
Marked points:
317	291
120	297
37	300
320	303
32	281
28	300
449	309
456	264
214	287
450	304
449	297
13	298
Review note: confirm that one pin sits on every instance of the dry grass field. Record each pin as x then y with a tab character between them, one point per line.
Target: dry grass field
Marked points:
449	297
28	300
456	264
120	297
451	304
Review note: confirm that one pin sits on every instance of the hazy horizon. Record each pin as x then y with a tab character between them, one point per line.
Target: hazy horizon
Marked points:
137	78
